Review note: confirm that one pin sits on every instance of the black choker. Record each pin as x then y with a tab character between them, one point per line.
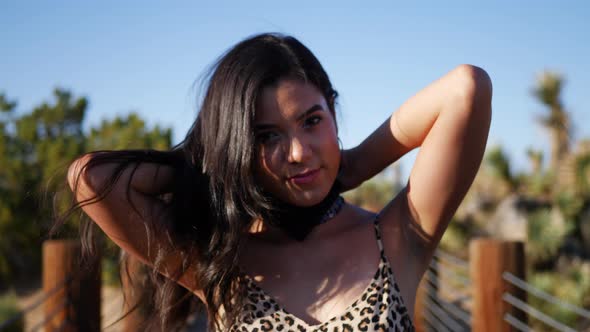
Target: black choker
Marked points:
297	222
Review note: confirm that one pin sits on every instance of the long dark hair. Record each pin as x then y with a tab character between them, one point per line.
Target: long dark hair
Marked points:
214	197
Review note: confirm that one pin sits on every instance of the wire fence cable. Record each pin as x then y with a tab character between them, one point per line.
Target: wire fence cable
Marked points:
434	322
516	323
447	272
440	313
35	304
536	313
51	315
435	281
453	309
458	262
543	295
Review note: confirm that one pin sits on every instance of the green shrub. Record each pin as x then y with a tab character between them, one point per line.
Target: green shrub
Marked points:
570	204
8	308
573	287
455	239
110	272
373	194
544	237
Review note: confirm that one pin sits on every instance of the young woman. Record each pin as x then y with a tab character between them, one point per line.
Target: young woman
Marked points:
246	213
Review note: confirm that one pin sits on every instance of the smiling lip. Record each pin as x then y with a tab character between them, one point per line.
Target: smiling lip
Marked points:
305	178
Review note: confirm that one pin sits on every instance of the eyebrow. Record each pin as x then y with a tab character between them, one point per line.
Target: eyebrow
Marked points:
312	109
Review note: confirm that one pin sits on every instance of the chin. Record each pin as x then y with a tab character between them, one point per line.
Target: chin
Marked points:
306	203
309	198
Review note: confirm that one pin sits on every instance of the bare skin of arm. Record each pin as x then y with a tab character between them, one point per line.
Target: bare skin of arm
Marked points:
120	222
449	120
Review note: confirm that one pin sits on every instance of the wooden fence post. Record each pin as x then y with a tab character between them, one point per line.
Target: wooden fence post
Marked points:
488	260
74	298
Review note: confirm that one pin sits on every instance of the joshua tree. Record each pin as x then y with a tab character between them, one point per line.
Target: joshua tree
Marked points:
499	164
548	91
536	160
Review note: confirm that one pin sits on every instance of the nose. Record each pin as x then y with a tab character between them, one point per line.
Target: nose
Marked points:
298	151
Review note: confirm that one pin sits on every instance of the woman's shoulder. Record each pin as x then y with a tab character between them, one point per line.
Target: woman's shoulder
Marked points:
384	217
360	215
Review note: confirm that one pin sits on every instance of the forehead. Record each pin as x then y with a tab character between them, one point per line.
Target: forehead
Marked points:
286	99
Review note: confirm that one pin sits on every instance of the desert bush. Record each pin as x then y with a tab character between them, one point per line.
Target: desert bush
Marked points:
571	286
8	309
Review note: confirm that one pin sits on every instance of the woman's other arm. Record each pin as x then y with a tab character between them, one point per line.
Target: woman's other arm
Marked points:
449	120
122	223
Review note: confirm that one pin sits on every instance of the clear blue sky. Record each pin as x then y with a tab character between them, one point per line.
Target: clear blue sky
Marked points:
146	55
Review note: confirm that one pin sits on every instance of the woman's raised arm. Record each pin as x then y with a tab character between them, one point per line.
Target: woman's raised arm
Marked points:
125	225
449	120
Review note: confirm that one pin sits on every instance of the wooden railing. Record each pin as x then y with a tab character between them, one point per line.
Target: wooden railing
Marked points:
487	292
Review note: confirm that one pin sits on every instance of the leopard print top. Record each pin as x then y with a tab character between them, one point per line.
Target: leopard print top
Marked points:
379	308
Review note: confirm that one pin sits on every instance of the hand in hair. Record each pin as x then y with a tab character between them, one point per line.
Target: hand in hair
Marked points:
123	199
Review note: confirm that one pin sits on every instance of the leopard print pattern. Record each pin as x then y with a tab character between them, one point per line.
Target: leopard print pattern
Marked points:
379	308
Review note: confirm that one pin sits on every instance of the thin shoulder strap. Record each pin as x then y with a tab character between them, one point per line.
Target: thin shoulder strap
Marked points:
378	234
384	259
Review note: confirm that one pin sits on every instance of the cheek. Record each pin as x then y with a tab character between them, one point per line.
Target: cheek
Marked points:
330	140
330	151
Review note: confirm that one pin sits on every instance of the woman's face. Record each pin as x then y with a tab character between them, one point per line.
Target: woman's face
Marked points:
297	148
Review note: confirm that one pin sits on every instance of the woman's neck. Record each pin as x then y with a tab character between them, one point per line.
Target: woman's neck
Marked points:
298	222
266	232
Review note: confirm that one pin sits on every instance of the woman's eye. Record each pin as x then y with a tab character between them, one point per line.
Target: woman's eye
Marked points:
266	137
312	121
